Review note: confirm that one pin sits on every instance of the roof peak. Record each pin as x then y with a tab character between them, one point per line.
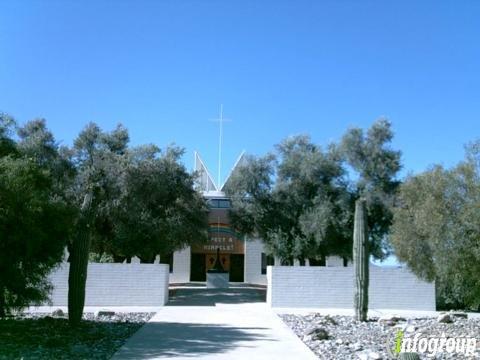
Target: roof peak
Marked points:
206	182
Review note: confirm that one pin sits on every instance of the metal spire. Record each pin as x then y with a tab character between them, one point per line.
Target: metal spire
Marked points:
220	120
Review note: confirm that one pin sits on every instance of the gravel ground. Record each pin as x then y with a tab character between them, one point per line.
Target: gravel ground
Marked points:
341	337
46	336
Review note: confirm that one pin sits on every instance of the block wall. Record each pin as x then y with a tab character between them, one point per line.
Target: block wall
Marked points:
253	263
333	287
181	266
116	285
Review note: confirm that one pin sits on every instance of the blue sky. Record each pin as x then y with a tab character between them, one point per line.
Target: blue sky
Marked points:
162	68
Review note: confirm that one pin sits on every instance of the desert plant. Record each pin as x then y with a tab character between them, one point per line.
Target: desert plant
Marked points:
77	276
360	261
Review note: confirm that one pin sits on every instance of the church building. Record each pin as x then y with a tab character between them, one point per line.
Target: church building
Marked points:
244	258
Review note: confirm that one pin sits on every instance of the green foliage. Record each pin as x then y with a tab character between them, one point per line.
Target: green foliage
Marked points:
436	229
300	200
141	203
7	128
33	232
159	211
143	198
375	166
37	143
295	200
97	157
34	219
100	258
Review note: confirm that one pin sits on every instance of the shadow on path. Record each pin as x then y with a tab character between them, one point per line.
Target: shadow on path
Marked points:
210	297
170	340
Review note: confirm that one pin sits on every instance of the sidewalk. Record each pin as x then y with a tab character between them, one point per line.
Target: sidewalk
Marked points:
233	324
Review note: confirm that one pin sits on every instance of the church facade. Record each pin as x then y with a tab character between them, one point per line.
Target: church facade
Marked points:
244	258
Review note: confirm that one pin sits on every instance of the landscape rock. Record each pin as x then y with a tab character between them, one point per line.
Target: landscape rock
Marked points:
58	313
410	328
445	319
317	333
107	313
374	355
357	346
459	314
363	356
329	320
408	356
369	355
351	339
390	320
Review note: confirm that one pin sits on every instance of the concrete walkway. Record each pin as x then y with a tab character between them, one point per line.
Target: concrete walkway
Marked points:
211	324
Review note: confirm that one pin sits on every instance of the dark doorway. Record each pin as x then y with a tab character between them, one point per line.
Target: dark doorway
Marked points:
198	268
236	267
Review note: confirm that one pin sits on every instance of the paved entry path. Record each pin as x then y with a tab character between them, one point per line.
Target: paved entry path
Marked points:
209	324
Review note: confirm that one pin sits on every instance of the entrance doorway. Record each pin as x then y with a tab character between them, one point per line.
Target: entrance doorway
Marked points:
237	262
224	260
233	263
198	268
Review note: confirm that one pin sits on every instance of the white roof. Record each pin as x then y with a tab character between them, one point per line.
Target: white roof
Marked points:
206	183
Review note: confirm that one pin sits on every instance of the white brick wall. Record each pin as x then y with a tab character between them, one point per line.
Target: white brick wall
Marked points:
116	285
181	266
252	269
331	261
253	262
333	287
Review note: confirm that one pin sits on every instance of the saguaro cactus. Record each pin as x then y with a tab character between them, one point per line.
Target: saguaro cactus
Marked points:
361	261
77	275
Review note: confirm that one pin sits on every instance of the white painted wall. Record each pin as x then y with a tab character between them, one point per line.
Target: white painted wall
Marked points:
181	266
333	287
252	269
332	261
253	262
112	284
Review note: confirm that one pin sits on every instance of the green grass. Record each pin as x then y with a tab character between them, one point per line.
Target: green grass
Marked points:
52	338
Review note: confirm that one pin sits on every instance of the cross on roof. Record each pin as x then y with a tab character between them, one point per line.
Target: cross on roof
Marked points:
220	120
206	182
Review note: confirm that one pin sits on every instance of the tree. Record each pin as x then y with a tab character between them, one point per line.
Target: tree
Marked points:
159	211
37	143
295	200
375	166
34	225
436	229
300	201
131	202
97	157
7	127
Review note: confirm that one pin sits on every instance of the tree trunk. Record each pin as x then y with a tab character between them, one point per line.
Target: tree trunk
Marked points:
3	310
77	276
361	261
